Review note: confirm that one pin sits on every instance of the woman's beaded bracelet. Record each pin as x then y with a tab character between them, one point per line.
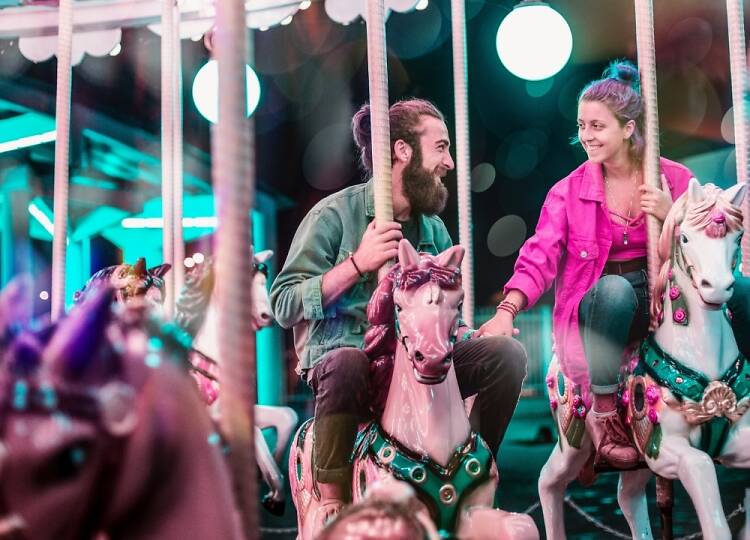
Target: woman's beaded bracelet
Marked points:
510	307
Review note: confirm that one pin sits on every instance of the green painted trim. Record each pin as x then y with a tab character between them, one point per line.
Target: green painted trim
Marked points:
440	488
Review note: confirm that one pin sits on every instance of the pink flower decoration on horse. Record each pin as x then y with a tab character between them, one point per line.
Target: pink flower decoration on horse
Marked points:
625	398
718	226
674	293
679	315
653	394
653	416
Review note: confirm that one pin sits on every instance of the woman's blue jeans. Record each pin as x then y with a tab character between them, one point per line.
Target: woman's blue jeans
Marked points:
615	312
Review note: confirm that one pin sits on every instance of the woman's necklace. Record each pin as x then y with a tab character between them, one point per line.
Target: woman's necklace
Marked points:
630	205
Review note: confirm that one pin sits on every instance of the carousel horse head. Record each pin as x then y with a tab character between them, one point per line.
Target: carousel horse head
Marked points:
196	295
15	308
130	281
700	247
102	432
418	305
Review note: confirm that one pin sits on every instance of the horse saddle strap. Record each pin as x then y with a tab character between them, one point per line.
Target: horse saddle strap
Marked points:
685	382
440	488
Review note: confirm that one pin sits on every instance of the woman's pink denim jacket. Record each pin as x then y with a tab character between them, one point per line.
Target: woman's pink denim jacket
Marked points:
570	246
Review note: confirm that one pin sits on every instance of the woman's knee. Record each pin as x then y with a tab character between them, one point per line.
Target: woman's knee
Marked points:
614	292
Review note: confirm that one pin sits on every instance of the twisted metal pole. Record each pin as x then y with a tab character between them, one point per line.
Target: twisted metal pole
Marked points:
178	247
62	156
167	150
644	28
234	188
463	154
738	68
377	61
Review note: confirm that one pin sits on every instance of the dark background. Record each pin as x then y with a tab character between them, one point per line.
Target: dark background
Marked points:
314	76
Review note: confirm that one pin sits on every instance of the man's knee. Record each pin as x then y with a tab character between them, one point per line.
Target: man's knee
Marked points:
347	363
508	356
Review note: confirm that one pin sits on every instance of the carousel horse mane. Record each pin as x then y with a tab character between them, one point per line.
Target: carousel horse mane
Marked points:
714	214
380	338
102	432
192	305
129	281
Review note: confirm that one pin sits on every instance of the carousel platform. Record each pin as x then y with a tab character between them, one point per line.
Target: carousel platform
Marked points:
530	438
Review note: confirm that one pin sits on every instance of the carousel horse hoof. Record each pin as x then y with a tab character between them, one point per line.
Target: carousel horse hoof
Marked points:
611	440
327	511
274	506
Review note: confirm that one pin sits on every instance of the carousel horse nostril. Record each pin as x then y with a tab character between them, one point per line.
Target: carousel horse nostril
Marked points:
419	356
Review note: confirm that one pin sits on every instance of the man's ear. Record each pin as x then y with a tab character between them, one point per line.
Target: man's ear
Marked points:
402	151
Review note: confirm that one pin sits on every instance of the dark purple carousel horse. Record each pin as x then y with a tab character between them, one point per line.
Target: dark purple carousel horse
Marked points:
102	433
130	281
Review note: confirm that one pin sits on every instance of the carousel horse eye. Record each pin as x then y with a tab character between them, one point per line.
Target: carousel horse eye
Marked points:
66	464
683	239
398	308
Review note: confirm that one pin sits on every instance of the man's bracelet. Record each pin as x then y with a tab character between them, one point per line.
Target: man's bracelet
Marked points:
351	258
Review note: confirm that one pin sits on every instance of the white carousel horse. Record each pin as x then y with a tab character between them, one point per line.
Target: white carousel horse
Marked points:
686	398
423	436
198	315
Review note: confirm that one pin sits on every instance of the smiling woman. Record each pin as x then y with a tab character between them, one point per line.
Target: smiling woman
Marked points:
591	242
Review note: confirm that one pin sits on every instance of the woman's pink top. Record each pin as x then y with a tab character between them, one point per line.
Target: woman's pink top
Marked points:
573	240
636	233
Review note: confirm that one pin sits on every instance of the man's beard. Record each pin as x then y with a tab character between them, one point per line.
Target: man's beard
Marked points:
425	195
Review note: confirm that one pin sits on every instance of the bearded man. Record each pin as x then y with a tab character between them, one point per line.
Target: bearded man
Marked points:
331	271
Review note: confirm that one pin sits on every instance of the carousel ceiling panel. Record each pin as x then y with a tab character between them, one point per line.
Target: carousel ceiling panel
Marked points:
268	13
93	43
100	15
346	11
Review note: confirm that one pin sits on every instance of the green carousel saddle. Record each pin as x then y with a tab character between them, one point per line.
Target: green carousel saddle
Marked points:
441	489
714	405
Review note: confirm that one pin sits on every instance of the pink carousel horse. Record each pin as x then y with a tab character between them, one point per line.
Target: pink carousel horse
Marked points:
689	388
423	436
103	435
198	316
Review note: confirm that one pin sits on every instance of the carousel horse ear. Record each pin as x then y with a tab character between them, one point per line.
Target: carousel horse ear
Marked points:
695	191
407	255
160	271
735	194
77	339
262	256
139	268
16	304
451	256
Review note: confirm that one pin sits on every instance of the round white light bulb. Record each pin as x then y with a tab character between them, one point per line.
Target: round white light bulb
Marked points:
534	41
206	91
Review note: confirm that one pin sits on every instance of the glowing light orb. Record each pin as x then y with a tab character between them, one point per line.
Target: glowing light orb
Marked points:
534	41
206	91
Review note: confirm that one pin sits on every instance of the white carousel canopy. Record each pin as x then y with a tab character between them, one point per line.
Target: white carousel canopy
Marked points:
97	24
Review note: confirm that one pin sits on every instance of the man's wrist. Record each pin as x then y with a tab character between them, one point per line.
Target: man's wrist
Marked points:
356	266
